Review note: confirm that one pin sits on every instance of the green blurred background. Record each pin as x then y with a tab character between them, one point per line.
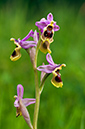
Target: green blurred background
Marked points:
62	108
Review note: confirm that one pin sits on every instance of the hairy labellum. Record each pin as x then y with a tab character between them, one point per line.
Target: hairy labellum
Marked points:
14	53
58	78
49	33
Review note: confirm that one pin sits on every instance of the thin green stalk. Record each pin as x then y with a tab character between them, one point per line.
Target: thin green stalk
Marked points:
36	110
43	81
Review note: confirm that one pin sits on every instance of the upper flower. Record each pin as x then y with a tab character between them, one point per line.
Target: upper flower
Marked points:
43	23
53	68
24	44
47	27
19	97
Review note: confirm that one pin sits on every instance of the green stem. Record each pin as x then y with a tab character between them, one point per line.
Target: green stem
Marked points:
36	110
43	81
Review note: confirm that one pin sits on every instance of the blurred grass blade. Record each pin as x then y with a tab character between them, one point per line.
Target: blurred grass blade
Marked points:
82	121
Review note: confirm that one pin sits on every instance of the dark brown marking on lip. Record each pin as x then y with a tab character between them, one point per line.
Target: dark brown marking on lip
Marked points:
14	53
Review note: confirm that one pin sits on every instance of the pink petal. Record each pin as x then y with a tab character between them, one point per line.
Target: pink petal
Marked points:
35	36
50	17
46	68
25	113
16	104
28	101
20	90
56	27
27	44
41	24
49	59
30	34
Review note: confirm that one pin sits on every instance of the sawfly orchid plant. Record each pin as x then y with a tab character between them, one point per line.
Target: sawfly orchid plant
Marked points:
40	40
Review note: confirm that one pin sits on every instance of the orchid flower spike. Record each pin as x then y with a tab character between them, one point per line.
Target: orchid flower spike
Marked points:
54	69
19	98
24	44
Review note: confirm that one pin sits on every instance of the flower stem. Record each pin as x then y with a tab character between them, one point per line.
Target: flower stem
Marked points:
37	94
36	110
43	81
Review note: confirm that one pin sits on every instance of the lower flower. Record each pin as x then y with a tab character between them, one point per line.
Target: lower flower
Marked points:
19	98
21	105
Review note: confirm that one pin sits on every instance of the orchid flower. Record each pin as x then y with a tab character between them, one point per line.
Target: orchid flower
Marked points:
43	23
24	44
47	28
54	69
16	53
19	98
